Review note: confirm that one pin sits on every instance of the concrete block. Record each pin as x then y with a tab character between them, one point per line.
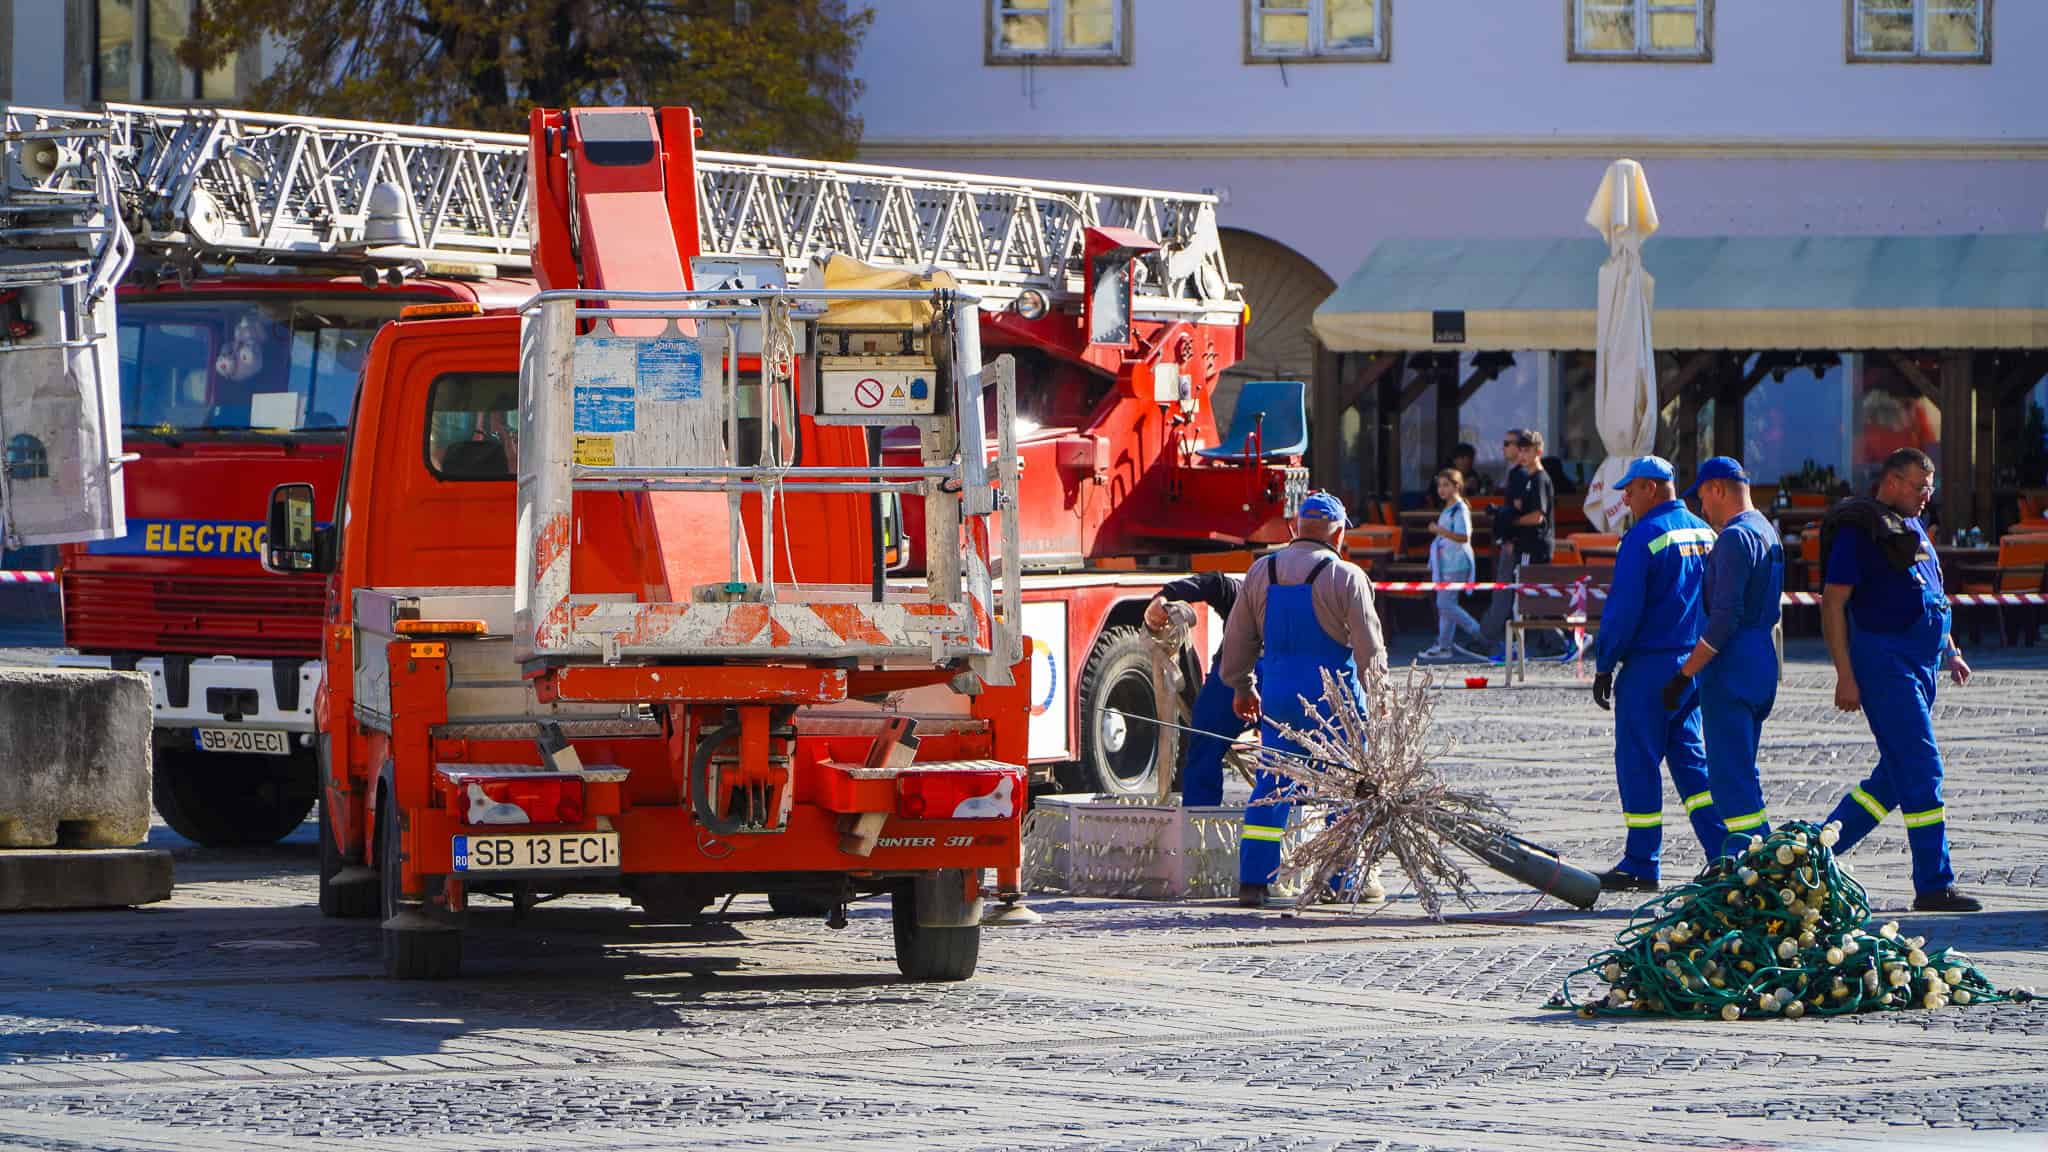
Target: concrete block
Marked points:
83	878
74	758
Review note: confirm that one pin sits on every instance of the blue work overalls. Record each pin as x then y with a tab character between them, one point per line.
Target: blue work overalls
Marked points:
1202	778
1897	664
1648	628
1292	659
1740	684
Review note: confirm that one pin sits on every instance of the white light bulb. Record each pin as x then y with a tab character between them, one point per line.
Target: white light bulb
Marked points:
1730	1012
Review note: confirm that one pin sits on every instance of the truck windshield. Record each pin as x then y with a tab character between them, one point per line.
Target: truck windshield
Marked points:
265	364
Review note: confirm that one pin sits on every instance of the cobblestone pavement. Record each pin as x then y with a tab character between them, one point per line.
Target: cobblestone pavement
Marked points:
234	1017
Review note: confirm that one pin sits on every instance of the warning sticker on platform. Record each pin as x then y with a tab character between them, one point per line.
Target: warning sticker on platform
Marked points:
595	451
604	408
671	368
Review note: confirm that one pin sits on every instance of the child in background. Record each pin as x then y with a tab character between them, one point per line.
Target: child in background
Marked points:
1450	561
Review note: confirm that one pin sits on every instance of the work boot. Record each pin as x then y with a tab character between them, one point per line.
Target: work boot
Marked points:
1947	899
1251	895
1615	880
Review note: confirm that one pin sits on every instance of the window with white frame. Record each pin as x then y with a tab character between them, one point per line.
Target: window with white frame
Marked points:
1316	29
1642	29
1059	31
1937	30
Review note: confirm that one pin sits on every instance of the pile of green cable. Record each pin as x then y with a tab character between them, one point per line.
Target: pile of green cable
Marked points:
1776	929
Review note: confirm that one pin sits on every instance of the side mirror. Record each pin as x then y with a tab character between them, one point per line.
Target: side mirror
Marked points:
895	550
293	543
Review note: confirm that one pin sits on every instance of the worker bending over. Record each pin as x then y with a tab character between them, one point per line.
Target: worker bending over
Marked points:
1302	611
1736	659
1886	619
1652	621
1201	779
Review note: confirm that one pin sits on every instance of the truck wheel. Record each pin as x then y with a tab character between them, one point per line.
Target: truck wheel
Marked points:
409	953
225	799
1116	752
349	899
930	954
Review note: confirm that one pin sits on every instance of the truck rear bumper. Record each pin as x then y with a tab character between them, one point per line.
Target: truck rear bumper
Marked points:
224	691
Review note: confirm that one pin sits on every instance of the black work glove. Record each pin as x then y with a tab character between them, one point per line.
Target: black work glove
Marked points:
1603	691
1674	691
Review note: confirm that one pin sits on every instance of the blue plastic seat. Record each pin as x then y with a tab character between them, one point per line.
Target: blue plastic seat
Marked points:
1284	404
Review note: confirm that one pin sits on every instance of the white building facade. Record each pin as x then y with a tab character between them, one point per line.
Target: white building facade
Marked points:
1329	125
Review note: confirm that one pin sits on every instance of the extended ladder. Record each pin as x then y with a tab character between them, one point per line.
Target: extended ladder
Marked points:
212	183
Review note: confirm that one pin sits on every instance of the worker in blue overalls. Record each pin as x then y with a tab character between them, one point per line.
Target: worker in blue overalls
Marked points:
1301	611
1736	659
1886	619
1201	777
1650	624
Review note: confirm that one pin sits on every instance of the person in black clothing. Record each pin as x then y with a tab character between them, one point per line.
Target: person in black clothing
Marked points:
1535	526
1496	622
1535	504
1201	780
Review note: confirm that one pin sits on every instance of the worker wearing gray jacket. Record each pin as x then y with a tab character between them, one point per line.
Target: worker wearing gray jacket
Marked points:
1303	611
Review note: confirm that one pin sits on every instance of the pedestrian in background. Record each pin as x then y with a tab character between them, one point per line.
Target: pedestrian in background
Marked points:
1535	525
1736	659
1302	611
1451	561
1497	609
1465	458
1652	621
1201	778
1886	618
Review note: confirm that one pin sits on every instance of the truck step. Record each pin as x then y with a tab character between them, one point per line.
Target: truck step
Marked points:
593	773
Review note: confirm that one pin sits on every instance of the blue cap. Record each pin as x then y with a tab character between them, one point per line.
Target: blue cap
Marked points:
1646	468
1323	506
1719	468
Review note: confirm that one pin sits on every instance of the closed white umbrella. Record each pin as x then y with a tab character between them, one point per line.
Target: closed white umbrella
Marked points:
1625	368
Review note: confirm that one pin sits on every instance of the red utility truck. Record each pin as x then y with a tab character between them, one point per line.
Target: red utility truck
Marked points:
606	585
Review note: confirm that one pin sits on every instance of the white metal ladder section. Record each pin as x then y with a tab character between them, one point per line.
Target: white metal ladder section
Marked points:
207	182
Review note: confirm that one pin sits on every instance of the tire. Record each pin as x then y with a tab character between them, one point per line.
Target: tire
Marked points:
1117	754
225	799
930	954
409	954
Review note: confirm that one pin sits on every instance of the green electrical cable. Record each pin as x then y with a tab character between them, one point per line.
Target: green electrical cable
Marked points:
1776	928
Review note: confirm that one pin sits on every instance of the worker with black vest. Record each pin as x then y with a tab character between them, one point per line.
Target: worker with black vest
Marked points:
1302	611
1201	779
1886	618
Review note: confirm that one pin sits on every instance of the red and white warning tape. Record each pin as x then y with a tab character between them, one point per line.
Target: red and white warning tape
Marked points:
1421	586
12	577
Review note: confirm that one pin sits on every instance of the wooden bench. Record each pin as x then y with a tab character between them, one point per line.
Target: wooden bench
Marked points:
1552	610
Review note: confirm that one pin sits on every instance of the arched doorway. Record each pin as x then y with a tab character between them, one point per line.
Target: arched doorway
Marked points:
1283	288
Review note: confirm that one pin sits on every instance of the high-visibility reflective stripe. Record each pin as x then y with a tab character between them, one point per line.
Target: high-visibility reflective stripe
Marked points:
1262	832
1923	819
1745	823
1681	536
1643	819
1869	803
1698	800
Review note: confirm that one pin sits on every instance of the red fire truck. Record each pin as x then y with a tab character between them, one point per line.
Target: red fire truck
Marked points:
272	247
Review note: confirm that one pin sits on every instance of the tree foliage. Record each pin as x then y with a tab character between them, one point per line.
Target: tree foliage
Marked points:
762	75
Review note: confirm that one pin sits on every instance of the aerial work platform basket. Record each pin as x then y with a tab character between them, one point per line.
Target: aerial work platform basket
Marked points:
642	391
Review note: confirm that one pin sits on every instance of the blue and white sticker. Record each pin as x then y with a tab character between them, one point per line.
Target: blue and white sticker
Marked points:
670	368
604	408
